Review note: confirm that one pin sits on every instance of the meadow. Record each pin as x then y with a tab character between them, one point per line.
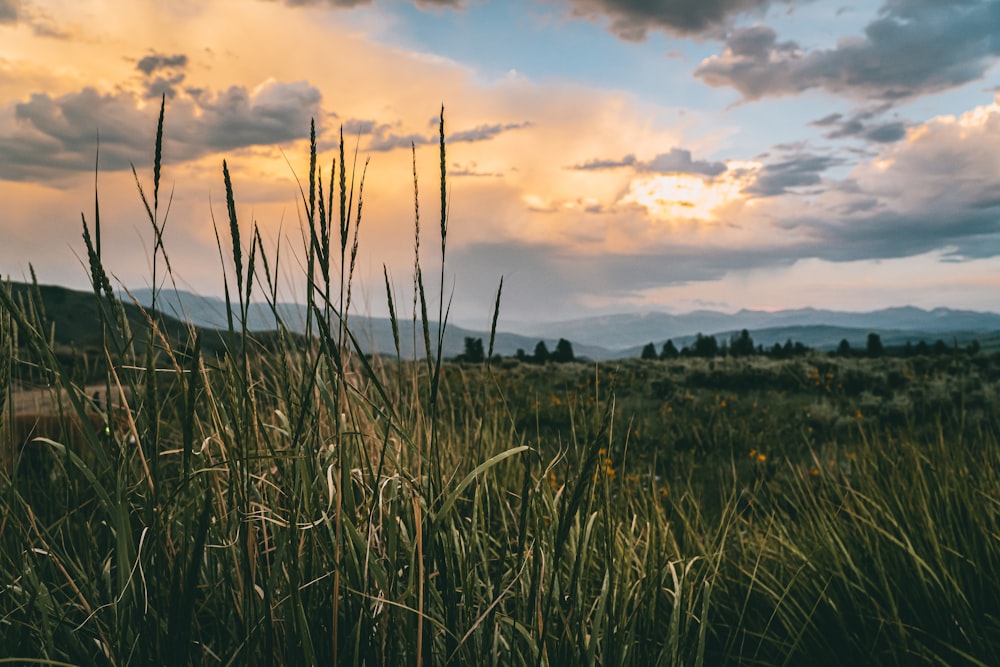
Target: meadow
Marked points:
284	499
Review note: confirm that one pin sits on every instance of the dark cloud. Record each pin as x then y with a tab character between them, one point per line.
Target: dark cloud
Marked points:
169	74
8	11
632	19
59	135
548	281
862	125
831	119
156	61
797	171
602	164
390	141
364	127
14	11
914	47
887	132
484	132
966	232
276	112
471	169
383	139
164	85
676	161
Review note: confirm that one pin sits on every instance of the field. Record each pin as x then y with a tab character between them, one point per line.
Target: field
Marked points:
283	499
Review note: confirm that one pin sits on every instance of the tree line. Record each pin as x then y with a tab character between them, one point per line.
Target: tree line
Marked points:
563	352
742	345
739	345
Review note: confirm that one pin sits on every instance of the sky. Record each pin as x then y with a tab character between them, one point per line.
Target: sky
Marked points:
603	155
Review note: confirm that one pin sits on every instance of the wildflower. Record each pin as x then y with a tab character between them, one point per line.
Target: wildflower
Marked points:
761	458
556	400
858	415
722	403
814	472
553	481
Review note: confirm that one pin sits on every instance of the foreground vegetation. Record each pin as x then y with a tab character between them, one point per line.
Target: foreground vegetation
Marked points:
291	502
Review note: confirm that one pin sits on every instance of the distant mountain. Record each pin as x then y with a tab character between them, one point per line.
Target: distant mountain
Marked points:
373	333
596	338
75	317
811	326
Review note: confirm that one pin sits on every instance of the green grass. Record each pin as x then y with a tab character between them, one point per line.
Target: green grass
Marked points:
289	501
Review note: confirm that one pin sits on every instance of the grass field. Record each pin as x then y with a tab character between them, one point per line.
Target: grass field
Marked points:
290	501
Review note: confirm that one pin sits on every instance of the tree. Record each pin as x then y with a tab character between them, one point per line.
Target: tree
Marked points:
741	345
705	346
648	352
669	351
563	352
844	349
473	351
520	355
541	354
874	347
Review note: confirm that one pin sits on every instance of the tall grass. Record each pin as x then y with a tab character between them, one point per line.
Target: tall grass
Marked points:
294	501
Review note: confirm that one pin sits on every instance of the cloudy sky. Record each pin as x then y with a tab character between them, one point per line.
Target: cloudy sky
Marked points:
603	155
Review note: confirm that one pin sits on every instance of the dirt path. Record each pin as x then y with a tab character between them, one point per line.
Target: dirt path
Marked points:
46	401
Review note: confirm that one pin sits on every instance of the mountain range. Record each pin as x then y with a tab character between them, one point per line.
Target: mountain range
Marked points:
623	335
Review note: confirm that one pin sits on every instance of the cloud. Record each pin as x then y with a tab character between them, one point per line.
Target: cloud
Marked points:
383	139
914	47
41	23
859	125
156	61
600	164
886	132
8	11
632	19
471	169
169	74
56	135
676	161
797	171
548	281
484	132
272	113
